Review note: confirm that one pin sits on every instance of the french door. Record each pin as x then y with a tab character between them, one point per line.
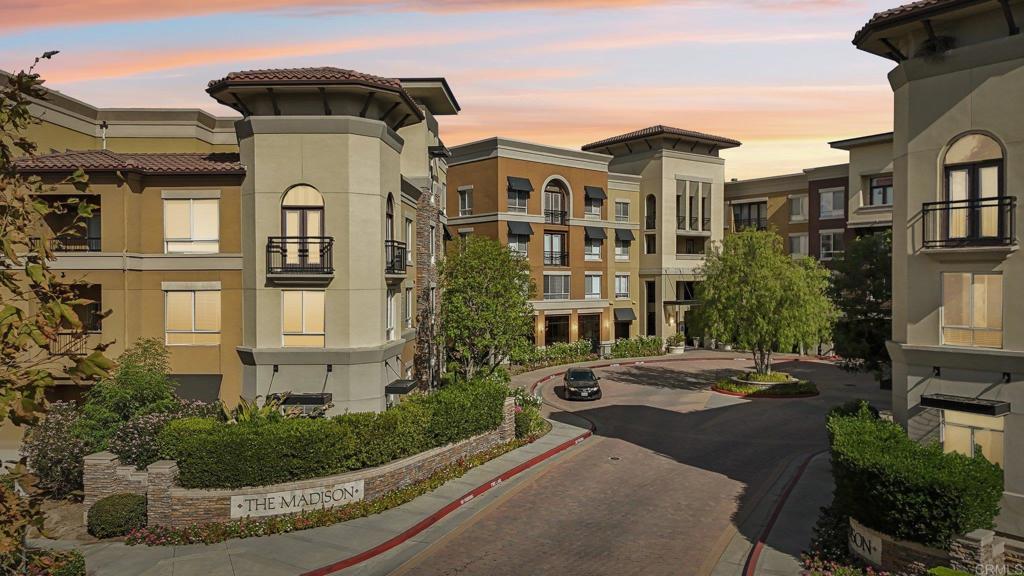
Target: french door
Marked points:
972	191
303	230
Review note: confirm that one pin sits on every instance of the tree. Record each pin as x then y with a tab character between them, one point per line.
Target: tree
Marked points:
485	304
862	290
757	297
35	302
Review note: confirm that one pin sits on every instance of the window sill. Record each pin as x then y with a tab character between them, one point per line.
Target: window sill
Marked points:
832	216
622	297
798	220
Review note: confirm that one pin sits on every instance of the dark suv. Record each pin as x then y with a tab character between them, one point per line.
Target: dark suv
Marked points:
581	383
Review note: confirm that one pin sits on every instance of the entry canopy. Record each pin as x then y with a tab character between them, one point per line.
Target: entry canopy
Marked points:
966	404
624	315
400	387
595	233
520	228
518	184
594	192
624	235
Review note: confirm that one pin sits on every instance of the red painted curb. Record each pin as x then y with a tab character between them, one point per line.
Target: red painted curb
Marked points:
755	552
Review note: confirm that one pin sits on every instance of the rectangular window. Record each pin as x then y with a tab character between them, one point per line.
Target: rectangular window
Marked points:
517	200
518	243
798	208
191	226
970	434
592	249
592	208
622	285
389	316
650	244
192	317
797	245
832	203
831	244
750	215
465	202
972	309
622	211
432	244
409	241
410	307
592	286
302	318
622	249
880	193
556	287
554	250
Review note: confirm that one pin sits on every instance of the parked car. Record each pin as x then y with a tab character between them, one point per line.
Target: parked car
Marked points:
581	383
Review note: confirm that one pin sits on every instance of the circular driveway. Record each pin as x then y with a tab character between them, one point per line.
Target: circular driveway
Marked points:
668	478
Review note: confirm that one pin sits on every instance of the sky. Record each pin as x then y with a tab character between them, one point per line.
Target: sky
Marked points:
779	75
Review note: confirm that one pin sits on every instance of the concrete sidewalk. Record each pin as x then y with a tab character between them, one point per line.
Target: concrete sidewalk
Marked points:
305	550
791	532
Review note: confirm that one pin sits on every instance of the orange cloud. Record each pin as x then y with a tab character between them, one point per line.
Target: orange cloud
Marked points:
644	40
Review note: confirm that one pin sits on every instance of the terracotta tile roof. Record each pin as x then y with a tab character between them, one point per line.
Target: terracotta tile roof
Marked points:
906	12
148	163
318	75
658	131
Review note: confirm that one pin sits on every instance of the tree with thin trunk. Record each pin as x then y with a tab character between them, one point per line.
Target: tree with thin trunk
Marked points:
485	305
758	298
36	302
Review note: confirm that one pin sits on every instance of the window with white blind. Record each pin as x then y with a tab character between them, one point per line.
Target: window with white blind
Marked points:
592	249
971	434
410	308
465	202
556	287
517	200
831	244
389	316
191	226
622	285
192	317
409	241
797	245
302	318
972	309
832	203
798	208
621	211
592	286
518	243
622	249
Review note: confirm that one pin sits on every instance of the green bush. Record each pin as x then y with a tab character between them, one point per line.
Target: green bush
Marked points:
943	571
214	454
117	515
676	339
637	347
801	388
532	357
767	378
905	489
529	422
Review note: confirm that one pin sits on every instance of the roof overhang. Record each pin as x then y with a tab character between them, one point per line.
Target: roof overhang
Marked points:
433	93
966	404
880	33
851	143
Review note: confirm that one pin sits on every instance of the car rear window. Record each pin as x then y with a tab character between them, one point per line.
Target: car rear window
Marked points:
577	375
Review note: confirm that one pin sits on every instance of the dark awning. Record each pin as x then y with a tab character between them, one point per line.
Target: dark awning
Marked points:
624	235
400	387
624	315
594	192
447	232
520	228
519	184
965	404
595	233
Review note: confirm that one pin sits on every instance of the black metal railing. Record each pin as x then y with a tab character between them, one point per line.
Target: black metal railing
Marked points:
68	343
300	255
756	223
964	223
556	258
75	244
394	257
554	216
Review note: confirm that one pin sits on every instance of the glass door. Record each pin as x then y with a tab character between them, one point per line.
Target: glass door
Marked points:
303	231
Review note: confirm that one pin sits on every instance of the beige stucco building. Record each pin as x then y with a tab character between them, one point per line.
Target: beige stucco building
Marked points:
958	340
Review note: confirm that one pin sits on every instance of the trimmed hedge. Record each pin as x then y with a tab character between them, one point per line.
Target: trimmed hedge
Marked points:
905	489
213	454
637	347
117	515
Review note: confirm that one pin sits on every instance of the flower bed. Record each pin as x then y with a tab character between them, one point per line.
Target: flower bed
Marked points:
796	389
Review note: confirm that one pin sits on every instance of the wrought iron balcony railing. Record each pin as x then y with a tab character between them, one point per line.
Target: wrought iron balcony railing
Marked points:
556	258
554	216
966	223
756	223
394	257
301	255
69	343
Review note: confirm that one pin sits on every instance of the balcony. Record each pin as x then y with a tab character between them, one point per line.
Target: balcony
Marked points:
976	223
556	258
754	223
302	259
69	344
75	244
394	258
554	217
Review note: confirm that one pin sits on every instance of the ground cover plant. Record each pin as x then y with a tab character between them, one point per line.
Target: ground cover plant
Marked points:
802	388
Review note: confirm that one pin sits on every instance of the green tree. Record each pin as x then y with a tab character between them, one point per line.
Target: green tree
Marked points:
485	304
757	297
35	302
862	290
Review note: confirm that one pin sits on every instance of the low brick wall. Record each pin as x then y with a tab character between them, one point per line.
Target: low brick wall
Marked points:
172	505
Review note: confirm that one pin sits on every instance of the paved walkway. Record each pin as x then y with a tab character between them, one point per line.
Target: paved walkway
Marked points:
306	550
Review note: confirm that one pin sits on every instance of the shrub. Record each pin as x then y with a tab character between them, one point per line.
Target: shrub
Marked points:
676	339
140	383
907	490
819	567
802	388
529	422
212	454
767	378
860	408
55	563
117	515
637	347
831	536
943	571
54	453
532	357
135	441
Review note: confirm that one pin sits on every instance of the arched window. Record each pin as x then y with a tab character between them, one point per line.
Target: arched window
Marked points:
973	169
556	202
650	212
389	222
302	225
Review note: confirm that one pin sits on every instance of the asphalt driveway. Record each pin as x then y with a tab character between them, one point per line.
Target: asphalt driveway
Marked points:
670	477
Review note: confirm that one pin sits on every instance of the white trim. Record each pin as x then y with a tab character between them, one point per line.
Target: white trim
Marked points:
190	194
498	147
568	190
557	273
701	179
465	187
189	286
133	261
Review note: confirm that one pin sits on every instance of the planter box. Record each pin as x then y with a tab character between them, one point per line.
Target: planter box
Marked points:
677	349
979	552
762	385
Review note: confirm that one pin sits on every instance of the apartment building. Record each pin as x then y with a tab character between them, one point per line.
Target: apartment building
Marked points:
289	250
958	339
681	191
576	223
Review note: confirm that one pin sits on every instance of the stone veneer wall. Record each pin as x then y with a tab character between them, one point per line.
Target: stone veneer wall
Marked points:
427	213
172	505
